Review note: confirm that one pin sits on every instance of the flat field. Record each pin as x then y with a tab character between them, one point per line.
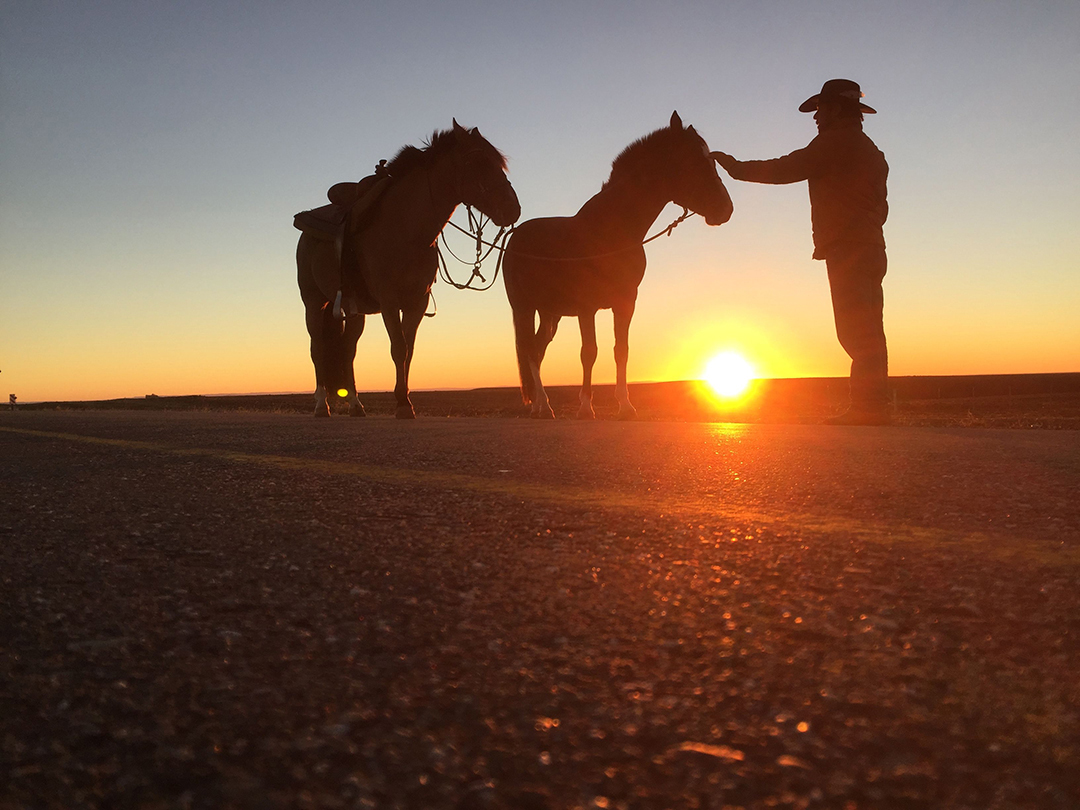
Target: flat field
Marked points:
1049	401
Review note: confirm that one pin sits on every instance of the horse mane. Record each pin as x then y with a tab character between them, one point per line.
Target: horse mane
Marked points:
644	153
441	142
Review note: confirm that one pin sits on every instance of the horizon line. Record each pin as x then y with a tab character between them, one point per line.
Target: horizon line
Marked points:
512	387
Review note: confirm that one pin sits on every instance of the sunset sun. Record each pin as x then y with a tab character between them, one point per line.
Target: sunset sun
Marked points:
729	374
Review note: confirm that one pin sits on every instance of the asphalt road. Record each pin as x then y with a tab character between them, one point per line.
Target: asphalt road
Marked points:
217	610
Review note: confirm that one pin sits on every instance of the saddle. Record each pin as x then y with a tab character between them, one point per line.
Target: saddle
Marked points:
357	199
350	206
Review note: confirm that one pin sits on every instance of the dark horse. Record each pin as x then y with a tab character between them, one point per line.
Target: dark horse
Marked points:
594	260
394	246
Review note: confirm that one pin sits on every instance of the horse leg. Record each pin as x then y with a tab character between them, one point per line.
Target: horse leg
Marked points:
545	333
549	324
526	342
587	324
318	329
398	351
622	313
401	326
541	406
410	323
354	328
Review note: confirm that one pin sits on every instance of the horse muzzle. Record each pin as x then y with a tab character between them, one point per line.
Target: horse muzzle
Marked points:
719	217
507	212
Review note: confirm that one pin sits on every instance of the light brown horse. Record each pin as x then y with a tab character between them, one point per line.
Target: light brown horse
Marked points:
558	266
394	246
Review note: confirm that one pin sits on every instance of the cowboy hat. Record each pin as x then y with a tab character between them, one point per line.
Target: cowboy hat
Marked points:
838	90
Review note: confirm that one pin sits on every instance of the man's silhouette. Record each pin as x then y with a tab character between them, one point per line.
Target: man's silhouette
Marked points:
846	174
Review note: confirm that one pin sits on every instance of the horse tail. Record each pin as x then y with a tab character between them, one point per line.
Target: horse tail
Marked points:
525	346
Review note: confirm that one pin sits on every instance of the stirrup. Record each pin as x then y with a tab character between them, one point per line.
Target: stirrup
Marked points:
344	307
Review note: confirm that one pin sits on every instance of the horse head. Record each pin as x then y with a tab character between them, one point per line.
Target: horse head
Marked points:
482	177
696	183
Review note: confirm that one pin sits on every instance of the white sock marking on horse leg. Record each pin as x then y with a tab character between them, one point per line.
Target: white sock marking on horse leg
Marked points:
585	411
356	407
321	407
540	405
622	394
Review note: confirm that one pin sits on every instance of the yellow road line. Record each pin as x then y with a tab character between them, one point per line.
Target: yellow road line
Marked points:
997	545
368	472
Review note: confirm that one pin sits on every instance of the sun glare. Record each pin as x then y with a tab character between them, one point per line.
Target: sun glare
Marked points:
729	374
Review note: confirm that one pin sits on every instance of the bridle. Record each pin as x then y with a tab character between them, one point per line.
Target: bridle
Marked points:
475	231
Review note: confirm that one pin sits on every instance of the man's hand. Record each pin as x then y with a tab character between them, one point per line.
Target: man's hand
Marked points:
724	159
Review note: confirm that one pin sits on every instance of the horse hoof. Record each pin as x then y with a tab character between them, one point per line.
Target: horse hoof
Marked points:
627	414
323	412
357	410
405	412
547	413
586	414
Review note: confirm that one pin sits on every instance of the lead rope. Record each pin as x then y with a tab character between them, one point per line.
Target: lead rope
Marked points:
685	215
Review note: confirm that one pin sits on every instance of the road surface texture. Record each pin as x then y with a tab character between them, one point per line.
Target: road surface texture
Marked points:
230	610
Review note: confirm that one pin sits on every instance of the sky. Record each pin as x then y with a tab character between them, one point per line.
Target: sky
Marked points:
152	156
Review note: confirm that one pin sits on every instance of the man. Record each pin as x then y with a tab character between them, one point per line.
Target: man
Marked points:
846	174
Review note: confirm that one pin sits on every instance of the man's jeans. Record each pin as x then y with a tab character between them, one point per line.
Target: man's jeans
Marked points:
856	270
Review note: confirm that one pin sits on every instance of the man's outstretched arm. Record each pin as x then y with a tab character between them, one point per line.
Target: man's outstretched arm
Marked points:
802	164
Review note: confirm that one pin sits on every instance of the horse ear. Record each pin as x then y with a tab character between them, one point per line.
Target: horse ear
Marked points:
460	131
676	122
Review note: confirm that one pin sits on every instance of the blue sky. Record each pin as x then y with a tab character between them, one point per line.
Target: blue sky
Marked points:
152	157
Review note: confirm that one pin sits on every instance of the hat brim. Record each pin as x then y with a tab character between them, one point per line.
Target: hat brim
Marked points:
811	104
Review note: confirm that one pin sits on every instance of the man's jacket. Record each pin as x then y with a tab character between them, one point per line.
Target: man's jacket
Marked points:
846	174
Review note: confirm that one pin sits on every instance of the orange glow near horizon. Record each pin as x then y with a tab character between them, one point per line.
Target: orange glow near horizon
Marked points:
729	374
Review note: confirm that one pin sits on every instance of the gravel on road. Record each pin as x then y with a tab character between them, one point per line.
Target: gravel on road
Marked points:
215	610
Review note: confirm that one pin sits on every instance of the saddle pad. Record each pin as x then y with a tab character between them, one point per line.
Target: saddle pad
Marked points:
327	221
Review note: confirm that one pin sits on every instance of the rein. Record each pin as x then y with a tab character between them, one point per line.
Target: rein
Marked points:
475	231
